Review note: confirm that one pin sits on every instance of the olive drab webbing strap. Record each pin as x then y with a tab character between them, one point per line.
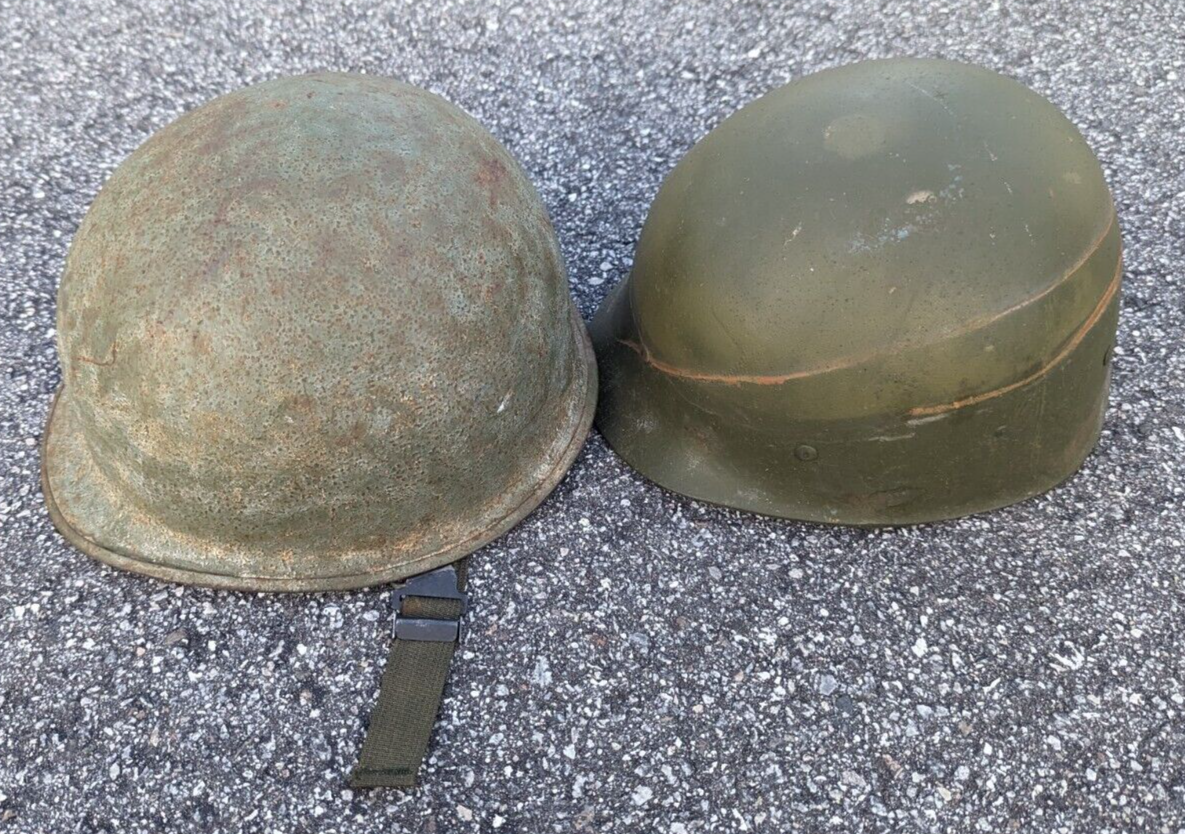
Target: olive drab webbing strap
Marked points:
428	613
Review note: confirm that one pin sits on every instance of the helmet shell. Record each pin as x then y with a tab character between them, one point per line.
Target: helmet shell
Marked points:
882	294
314	334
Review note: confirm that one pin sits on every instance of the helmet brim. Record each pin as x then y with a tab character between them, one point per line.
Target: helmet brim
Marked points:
71	496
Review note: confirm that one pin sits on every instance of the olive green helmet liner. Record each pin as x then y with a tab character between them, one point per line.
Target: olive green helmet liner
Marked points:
882	294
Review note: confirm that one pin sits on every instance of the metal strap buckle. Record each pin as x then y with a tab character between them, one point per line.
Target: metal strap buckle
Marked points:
436	584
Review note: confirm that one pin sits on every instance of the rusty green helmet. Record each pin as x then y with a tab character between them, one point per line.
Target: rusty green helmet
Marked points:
314	334
882	294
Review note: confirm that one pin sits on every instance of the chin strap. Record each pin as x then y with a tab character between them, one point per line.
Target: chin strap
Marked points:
428	613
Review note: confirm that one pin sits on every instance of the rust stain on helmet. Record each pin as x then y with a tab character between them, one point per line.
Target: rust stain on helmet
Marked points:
314	334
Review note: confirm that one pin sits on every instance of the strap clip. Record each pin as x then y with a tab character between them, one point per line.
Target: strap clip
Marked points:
435	584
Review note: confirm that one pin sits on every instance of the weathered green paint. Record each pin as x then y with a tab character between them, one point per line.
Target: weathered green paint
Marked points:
314	334
882	294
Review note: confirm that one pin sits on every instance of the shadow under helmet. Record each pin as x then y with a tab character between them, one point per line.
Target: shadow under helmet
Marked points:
882	294
314	334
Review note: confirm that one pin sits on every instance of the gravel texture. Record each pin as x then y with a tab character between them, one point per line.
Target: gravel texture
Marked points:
636	662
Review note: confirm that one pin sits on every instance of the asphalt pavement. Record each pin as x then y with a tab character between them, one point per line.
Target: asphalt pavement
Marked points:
635	661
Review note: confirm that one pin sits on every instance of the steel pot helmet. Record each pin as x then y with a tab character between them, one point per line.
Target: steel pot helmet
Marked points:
314	334
882	294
